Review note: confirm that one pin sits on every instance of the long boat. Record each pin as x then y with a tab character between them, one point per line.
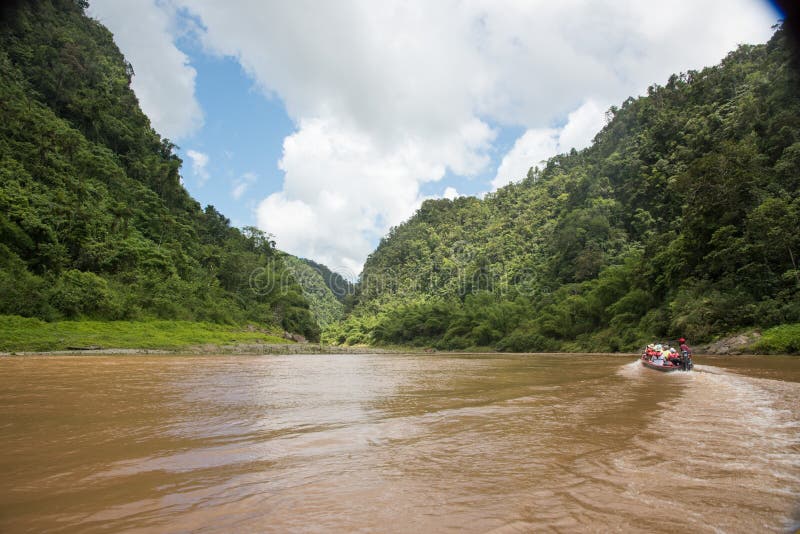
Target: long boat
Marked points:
663	368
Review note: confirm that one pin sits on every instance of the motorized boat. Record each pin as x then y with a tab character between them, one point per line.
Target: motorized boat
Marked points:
684	364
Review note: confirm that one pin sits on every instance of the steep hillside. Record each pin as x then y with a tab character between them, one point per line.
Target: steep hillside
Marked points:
680	219
341	288
323	302
94	221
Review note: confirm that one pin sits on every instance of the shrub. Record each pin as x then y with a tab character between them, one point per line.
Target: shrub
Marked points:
784	339
75	294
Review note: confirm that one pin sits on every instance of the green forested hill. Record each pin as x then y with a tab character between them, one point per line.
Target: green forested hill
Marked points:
681	219
324	304
341	288
94	221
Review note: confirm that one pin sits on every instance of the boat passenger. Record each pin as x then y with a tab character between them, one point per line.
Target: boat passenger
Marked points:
673	356
658	360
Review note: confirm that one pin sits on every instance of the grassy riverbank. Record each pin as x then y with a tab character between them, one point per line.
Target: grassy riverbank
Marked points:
783	339
18	334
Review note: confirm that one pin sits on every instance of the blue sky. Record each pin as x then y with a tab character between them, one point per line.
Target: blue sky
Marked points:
253	147
326	123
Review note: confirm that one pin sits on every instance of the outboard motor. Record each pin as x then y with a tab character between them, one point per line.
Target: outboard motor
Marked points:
686	361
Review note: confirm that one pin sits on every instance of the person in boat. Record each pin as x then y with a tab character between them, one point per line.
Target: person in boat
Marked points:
650	351
666	353
658	359
686	355
673	357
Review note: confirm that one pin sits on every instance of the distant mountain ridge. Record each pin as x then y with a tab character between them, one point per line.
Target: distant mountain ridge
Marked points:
341	288
325	305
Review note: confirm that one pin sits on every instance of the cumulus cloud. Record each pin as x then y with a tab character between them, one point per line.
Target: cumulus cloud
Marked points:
535	146
199	164
389	95
530	150
451	193
164	80
582	125
343	189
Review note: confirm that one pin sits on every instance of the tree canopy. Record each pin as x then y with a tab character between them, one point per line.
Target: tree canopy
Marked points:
94	219
680	219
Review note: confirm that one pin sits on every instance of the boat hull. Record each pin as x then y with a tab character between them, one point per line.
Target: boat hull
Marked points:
661	368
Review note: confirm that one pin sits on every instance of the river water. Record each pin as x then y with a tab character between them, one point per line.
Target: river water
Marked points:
398	443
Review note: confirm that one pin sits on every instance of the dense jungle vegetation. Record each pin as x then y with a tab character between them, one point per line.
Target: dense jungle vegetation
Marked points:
680	219
317	283
94	221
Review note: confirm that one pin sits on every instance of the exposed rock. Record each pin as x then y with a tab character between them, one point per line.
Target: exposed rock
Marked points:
294	337
733	345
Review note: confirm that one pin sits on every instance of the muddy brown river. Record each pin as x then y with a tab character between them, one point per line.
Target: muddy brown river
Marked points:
398	443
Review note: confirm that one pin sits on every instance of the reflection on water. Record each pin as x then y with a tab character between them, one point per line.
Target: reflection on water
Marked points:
398	443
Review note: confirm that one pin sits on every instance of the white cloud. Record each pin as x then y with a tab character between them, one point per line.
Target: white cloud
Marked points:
450	193
537	145
164	80
582	125
199	164
243	184
343	190
529	150
388	95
